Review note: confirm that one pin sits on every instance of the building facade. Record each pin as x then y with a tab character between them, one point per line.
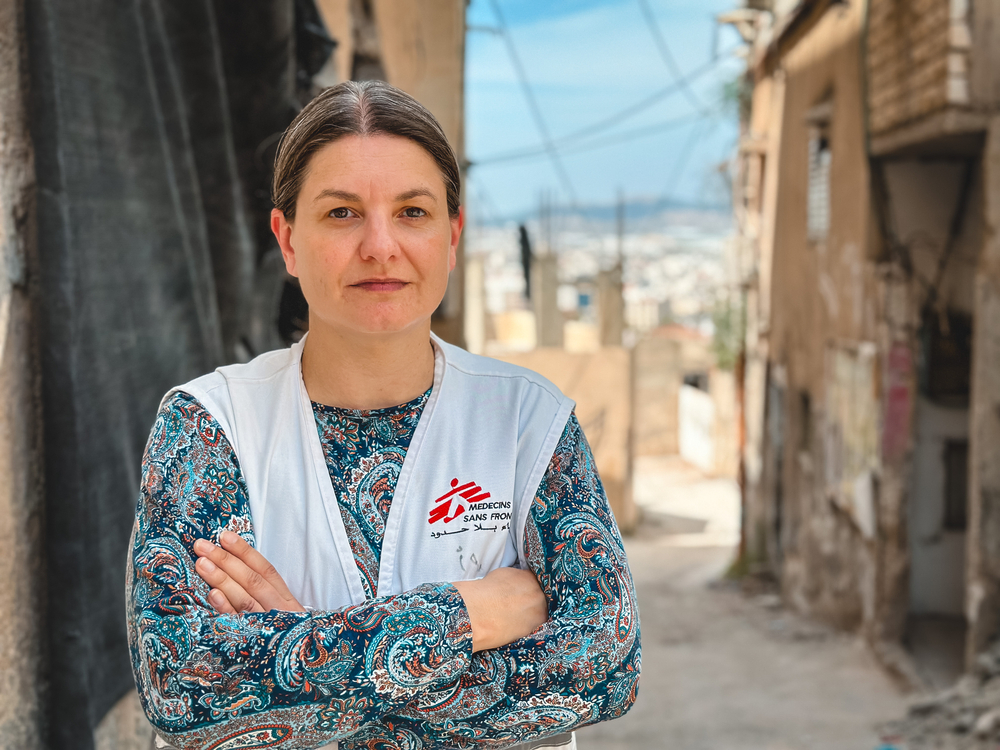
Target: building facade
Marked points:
866	194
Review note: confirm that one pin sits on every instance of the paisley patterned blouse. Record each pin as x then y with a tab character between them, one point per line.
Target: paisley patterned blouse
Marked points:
397	671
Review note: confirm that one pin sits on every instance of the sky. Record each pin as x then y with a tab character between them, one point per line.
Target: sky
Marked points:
586	62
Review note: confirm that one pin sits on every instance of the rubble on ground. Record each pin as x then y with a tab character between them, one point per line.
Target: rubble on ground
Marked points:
966	716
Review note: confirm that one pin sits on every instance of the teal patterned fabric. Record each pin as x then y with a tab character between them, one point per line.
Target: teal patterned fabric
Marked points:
364	452
397	671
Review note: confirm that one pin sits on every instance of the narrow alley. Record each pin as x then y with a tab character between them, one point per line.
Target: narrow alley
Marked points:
724	668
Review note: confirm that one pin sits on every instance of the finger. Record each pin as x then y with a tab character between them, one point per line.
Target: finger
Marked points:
255	561
218	600
248	579
237	596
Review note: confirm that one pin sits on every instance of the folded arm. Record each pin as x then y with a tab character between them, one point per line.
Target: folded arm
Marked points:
579	668
583	665
310	676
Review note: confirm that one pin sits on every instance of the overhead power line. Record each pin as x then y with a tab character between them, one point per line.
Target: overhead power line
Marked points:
627	135
665	53
697	134
640	106
536	111
614	120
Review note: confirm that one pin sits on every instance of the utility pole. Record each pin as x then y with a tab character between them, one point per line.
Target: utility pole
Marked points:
526	258
545	282
545	221
611	304
620	225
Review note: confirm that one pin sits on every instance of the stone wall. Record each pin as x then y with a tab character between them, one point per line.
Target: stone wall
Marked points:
660	360
917	54
658	378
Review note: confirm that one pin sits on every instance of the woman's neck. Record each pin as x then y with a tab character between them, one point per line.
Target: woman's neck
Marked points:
365	371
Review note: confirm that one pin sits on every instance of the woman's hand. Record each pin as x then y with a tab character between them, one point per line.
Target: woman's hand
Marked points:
241	578
506	605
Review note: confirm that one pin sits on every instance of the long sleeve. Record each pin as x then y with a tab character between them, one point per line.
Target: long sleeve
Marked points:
304	679
582	666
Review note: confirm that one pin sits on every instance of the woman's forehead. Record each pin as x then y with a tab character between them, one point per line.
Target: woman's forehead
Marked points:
378	161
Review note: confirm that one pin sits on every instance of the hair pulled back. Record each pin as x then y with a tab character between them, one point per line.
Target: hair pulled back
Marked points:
358	108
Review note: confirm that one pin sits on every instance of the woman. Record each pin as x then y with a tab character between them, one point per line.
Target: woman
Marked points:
326	537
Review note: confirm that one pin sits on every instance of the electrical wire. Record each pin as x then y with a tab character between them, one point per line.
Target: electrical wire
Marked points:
536	111
553	148
642	105
486	202
627	135
665	53
697	133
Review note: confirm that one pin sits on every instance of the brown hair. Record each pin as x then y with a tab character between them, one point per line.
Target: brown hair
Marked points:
358	108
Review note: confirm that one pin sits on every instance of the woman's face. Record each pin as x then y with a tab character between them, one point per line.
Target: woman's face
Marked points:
372	243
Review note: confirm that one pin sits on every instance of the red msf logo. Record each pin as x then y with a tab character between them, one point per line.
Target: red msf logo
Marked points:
470	493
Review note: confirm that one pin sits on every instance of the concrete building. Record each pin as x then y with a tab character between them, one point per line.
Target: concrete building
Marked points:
544	300
664	359
867	197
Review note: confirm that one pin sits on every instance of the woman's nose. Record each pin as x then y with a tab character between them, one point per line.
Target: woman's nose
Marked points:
379	242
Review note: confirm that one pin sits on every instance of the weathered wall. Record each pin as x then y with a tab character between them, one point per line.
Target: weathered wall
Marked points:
918	59
929	266
660	360
762	146
823	300
658	377
722	386
600	385
22	588
983	576
984	58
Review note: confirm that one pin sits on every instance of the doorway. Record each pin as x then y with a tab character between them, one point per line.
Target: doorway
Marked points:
937	512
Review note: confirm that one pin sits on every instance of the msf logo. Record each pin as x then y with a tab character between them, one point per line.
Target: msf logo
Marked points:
469	493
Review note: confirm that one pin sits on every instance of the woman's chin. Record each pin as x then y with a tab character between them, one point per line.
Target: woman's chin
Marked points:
379	325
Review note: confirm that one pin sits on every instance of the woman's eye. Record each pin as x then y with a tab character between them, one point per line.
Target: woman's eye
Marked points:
414	213
341	213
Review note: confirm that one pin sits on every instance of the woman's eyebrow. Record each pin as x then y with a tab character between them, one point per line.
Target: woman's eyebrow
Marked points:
415	193
338	194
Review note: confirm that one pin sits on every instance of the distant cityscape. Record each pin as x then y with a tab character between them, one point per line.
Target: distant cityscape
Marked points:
677	263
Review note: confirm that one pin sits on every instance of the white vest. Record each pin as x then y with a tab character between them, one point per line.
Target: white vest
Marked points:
477	456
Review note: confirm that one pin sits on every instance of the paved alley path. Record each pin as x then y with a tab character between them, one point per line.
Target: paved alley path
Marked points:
720	670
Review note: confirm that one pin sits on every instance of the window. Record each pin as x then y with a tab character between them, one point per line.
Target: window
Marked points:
946	362
805	420
956	484
818	222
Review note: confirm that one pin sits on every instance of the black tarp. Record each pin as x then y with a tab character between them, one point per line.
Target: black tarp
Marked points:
153	122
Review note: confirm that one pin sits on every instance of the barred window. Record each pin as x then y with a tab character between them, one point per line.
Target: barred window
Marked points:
818	221
819	187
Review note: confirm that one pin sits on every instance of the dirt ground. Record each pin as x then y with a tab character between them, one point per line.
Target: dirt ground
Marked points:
722	669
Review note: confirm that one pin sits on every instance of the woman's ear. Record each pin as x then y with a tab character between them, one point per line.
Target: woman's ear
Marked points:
457	223
283	233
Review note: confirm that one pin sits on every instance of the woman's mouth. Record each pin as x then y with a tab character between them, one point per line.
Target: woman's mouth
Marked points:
380	285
